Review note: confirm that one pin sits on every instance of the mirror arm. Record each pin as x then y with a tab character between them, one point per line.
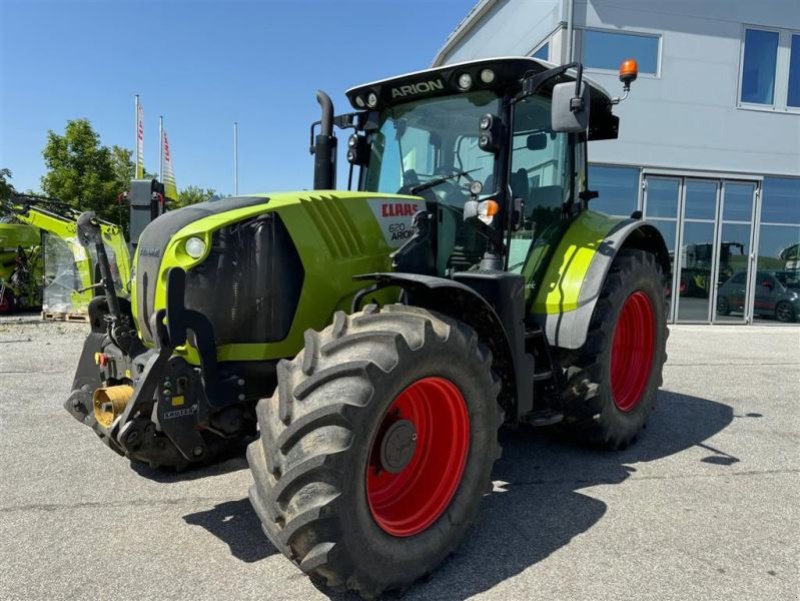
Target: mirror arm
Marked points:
347	120
576	104
531	84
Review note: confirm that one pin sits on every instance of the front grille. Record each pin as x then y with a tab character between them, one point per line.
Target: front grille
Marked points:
249	285
154	240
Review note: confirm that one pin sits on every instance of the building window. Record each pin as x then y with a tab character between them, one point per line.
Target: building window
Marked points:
793	96
543	52
778	277
758	66
781	200
618	189
607	49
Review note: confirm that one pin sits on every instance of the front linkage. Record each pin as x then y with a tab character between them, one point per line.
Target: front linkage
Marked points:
151	405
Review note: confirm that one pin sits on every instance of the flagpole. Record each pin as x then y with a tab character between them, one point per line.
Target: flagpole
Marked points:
161	148
236	158
136	135
136	122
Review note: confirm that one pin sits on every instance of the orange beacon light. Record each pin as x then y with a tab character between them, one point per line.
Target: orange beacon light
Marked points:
628	71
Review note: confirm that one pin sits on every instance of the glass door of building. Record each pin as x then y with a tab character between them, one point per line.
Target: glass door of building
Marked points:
661	207
708	227
734	278
698	250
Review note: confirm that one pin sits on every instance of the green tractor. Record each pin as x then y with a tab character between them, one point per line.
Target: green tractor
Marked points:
20	268
58	220
375	339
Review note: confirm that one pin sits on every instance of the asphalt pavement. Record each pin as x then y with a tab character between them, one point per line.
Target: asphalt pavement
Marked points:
703	507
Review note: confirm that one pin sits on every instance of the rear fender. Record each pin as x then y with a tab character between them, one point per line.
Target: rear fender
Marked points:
565	301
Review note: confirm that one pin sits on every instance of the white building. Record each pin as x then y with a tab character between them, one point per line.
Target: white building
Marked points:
709	142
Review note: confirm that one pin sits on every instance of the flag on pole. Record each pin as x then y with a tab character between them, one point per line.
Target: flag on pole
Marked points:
139	140
167	174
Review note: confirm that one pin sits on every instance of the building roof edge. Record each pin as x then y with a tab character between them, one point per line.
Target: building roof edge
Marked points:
466	24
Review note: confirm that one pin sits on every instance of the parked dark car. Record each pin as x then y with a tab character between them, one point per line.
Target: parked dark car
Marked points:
777	294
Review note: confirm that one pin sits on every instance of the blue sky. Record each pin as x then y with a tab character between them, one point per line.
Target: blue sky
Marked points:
203	65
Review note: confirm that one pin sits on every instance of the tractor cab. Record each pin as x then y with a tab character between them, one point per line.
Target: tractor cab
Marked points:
487	147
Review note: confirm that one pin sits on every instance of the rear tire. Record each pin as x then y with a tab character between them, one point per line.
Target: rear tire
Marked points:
613	379
317	468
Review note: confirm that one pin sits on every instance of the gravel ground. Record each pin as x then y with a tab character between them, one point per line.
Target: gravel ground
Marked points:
705	506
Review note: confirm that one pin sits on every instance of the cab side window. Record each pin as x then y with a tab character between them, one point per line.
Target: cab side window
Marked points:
538	175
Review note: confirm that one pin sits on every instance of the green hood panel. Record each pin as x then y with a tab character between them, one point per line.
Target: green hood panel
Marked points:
337	235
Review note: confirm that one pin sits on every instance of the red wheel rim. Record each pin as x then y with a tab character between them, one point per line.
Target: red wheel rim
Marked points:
632	351
408	502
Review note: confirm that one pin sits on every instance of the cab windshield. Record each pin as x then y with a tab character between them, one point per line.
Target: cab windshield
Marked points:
429	148
418	142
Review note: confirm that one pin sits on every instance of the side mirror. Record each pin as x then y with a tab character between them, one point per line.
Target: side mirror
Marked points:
767	284
569	114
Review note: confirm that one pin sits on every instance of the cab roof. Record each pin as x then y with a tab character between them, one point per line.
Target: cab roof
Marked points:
507	72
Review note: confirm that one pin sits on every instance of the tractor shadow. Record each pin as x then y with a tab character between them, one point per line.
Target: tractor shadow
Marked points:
236	524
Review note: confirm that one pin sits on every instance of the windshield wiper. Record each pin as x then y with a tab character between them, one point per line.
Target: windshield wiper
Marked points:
440	180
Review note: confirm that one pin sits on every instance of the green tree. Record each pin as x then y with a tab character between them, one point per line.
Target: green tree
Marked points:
80	171
124	167
193	194
6	188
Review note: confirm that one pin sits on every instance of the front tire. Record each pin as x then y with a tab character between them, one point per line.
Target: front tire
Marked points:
342	486
613	379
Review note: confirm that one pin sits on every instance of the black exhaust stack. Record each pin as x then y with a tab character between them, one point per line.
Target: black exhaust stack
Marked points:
324	148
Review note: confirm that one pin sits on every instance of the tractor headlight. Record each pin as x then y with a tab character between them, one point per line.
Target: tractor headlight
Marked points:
195	247
360	102
372	100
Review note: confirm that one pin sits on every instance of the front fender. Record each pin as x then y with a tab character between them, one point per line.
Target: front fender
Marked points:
566	297
466	304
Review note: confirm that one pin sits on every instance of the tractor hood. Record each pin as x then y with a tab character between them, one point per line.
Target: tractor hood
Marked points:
249	258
